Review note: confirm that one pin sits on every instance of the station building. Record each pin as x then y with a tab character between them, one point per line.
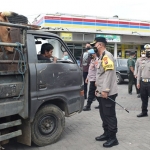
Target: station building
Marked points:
123	35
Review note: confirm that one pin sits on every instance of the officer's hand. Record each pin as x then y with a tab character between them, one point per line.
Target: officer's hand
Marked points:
95	93
86	80
138	86
104	94
95	84
135	76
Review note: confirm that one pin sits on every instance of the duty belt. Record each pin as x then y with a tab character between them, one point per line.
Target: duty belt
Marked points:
146	80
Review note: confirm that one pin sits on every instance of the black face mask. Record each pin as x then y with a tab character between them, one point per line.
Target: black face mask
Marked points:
88	48
95	49
148	54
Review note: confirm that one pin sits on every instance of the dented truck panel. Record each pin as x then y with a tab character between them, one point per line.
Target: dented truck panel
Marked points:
62	79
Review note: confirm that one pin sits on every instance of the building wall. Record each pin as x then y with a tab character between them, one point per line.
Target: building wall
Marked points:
135	39
95	24
133	34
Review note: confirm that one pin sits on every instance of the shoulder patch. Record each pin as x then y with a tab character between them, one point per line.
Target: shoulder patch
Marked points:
107	63
105	59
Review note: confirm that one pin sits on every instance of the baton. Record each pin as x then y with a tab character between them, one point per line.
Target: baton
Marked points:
115	102
118	104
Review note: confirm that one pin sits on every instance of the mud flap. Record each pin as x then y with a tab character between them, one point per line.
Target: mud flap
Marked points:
25	138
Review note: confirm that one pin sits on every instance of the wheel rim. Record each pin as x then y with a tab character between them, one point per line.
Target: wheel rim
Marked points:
117	78
47	124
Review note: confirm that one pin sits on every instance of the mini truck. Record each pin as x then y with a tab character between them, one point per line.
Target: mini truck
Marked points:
36	96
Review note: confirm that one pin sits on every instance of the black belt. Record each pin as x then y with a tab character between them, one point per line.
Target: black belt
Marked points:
146	80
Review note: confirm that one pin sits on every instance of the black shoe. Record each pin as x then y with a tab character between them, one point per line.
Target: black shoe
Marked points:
111	142
139	96
142	115
87	108
97	107
130	93
102	137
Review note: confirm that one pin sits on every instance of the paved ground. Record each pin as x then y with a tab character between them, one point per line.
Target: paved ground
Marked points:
81	129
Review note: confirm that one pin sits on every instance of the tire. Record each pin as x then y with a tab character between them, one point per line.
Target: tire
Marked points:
48	125
119	79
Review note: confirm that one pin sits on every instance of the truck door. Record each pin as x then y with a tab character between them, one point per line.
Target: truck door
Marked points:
61	80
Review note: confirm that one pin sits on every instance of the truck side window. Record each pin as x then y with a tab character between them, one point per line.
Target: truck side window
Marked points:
53	49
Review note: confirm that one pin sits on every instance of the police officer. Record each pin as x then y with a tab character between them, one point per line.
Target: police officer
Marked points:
85	67
144	74
106	86
131	66
140	61
91	77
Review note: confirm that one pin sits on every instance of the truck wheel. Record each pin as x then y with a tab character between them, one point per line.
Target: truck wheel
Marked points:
48	125
119	79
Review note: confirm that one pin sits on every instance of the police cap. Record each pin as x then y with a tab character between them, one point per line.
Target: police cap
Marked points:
147	46
99	39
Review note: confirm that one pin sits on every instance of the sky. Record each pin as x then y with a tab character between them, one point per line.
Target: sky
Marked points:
129	9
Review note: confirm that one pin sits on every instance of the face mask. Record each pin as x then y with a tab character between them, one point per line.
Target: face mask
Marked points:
133	57
148	54
95	49
65	57
88	48
143	55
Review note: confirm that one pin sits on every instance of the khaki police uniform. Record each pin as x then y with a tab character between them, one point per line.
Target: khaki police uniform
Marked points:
144	75
140	61
106	82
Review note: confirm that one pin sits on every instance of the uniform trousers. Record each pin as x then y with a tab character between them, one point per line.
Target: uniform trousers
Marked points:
85	84
132	80
91	94
140	87
108	113
145	94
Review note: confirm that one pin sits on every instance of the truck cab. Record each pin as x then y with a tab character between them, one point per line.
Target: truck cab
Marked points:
36	95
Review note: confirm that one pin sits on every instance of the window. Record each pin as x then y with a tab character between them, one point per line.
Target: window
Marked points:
71	47
59	51
110	48
123	62
77	50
